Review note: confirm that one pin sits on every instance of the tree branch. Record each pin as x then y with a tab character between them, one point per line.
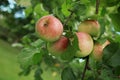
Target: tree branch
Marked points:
68	18
85	68
97	6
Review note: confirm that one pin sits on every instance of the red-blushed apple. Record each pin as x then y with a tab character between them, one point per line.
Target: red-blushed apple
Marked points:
91	27
98	50
58	47
85	43
49	28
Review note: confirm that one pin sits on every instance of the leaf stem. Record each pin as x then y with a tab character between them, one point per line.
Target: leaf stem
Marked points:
85	68
97	6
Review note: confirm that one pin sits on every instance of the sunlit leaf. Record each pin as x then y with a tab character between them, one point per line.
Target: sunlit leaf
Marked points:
24	3
28	11
31	55
25	57
39	11
65	8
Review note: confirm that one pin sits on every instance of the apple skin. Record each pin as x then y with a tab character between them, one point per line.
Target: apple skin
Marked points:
91	27
49	28
85	43
98	50
58	47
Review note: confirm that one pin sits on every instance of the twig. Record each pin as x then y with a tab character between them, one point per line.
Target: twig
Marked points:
68	18
97	6
85	68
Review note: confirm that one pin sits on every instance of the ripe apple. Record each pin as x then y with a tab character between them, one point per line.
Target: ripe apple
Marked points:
49	28
98	50
85	43
58	47
91	27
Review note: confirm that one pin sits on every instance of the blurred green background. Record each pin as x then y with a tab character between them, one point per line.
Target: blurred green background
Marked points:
9	66
16	31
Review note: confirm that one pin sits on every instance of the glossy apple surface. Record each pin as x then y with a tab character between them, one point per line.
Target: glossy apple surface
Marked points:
98	50
49	28
58	47
91	27
85	43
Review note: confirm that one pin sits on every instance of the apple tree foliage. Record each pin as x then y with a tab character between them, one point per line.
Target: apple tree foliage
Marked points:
71	12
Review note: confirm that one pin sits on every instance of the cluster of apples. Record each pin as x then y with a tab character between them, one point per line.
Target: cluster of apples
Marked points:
50	29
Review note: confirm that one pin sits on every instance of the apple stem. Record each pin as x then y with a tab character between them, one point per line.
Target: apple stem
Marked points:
97	6
68	18
85	68
46	24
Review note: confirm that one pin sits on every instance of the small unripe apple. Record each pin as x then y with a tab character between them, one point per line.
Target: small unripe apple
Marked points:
98	50
58	47
49	28
85	43
91	27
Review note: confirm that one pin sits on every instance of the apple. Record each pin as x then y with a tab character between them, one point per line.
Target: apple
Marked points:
49	28
98	50
91	27
85	43
58	47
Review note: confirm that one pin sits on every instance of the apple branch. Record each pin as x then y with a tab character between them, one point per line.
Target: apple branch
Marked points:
68	18
97	6
85	68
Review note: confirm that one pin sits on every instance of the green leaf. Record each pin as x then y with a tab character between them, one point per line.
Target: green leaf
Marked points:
25	57
109	3
25	3
26	71
101	40
39	11
38	74
114	60
31	55
49	60
28	11
109	51
79	9
57	12
118	9
102	26
68	54
75	42
67	74
71	50
105	74
103	12
65	7
37	43
115	20
37	58
84	1
117	38
91	78
117	70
